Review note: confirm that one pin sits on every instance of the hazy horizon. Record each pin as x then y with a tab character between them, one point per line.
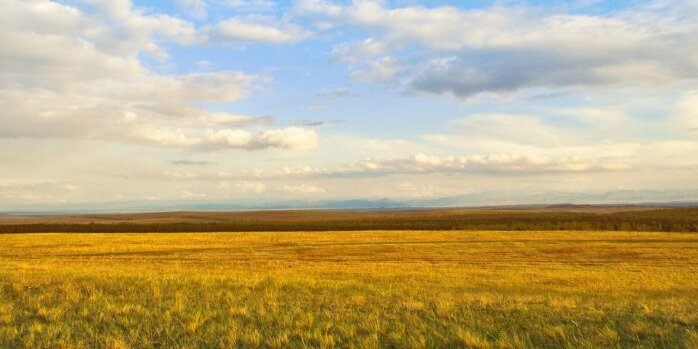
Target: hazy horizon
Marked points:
256	101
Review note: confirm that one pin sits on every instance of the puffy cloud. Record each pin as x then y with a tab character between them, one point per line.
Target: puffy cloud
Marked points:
494	163
494	73
383	69
250	175
164	137
119	28
290	138
490	163
501	50
45	114
293	138
72	72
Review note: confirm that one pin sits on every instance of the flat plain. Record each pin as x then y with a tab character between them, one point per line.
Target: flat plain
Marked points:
361	289
526	218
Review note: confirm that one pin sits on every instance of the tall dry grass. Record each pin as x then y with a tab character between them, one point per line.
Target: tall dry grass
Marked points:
350	290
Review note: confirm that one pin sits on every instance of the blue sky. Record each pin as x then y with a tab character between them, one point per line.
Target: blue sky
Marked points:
216	100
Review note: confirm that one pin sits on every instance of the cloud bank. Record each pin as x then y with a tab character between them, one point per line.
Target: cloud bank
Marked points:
75	73
505	49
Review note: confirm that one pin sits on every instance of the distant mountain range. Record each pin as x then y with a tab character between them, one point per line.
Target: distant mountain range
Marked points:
485	199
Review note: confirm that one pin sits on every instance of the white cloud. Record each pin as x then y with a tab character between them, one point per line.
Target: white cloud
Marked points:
245	187
74	74
251	187
490	163
178	176
35	190
319	7
686	119
289	138
333	93
70	187
521	129
198	9
303	189
89	84
185	194
292	138
195	8
418	190
251	30
420	163
502	50
117	27
383	70
164	137
358	51
232	120
249	5
203	64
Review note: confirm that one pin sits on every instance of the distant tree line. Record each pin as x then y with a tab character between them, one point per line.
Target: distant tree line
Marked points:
665	220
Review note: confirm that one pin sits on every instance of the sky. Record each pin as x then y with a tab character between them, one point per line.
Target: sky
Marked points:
266	101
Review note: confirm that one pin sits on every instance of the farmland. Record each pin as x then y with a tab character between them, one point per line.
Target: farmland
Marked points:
582	217
351	289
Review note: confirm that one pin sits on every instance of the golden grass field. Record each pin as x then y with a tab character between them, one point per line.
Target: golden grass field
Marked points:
397	289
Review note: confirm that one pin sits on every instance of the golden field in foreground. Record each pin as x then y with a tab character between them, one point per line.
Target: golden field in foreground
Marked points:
398	289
